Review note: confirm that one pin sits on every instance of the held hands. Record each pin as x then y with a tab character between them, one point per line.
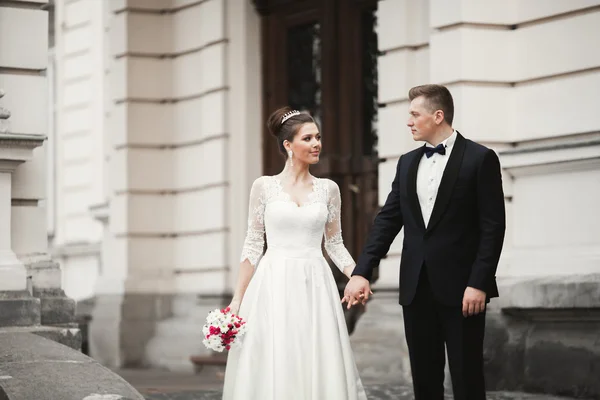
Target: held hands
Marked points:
473	302
357	290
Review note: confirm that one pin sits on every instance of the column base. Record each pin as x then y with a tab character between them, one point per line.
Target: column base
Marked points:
19	308
13	276
56	308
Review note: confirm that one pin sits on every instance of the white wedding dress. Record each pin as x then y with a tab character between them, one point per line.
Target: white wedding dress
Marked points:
297	345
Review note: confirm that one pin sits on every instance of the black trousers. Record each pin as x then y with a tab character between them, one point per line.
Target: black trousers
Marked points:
429	325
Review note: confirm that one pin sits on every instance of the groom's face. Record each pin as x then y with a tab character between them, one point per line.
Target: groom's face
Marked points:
421	120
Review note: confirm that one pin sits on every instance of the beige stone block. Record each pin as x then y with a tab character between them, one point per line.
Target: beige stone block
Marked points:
504	12
476	105
120	5
391	27
182	3
76	203
26	95
77	93
117	170
543	108
213	67
187	119
474	54
119	80
557	46
148	78
29	178
393	69
545	241
150	282
118	35
487	55
199	210
118	209
28	230
23	29
77	147
187	28
77	39
207	283
187	74
82	229
147	124
76	176
150	254
199	165
77	66
419	73
213	114
402	23
148	169
76	121
146	33
528	10
443	13
77	13
445	50
539	50
149	213
117	126
206	250
212	21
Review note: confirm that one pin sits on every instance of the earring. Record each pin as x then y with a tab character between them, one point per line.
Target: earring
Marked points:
291	159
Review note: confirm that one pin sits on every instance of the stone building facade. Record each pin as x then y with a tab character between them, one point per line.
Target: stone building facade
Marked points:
158	134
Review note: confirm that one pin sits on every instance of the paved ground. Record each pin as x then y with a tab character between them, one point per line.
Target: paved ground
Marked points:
162	385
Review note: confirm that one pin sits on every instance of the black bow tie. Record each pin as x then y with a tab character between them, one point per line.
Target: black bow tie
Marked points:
440	148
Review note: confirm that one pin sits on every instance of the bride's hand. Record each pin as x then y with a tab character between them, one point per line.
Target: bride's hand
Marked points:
234	307
357	291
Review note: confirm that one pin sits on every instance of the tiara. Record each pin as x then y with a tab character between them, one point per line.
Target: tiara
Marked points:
289	115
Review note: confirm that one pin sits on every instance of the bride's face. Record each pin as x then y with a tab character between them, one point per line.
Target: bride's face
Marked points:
306	145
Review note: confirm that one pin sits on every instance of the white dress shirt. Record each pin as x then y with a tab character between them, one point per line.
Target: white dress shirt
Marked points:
429	176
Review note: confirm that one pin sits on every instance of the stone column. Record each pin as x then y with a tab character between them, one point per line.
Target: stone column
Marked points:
17	306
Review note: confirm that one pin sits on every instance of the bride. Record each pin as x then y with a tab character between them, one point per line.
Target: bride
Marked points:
297	344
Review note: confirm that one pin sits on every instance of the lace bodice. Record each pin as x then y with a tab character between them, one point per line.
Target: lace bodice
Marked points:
290	226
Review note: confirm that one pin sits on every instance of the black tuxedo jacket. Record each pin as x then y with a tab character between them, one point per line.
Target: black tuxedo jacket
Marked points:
462	243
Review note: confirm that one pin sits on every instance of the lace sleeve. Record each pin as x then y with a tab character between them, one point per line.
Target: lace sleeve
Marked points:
254	242
334	244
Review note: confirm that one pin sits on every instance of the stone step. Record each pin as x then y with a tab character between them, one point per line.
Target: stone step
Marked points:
69	336
19	309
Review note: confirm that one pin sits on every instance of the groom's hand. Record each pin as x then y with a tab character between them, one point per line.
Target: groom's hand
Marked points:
357	290
473	301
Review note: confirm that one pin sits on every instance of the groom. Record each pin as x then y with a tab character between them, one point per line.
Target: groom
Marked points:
448	197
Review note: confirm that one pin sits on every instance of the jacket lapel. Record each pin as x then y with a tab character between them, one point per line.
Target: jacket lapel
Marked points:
412	188
448	180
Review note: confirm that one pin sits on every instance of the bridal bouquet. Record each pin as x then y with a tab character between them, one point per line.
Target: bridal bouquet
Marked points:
222	330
